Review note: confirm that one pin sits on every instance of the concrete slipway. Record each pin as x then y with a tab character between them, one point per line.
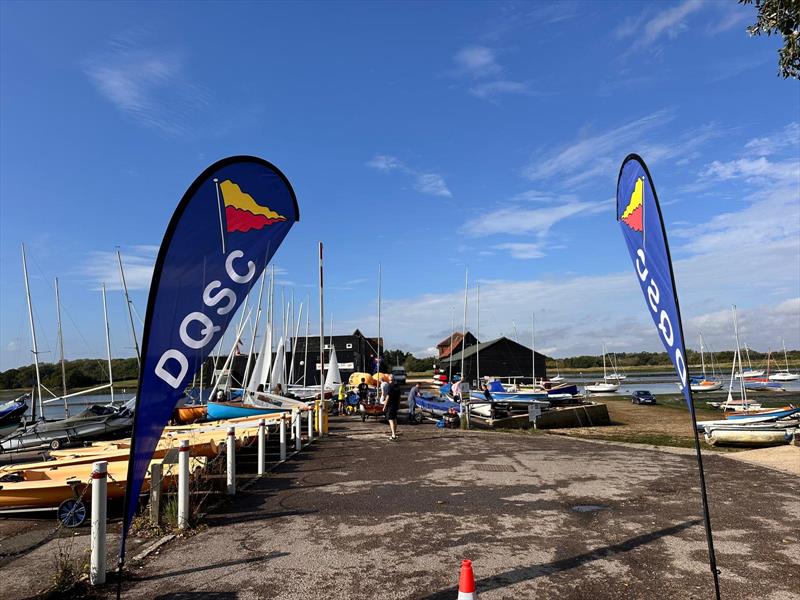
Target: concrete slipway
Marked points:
357	516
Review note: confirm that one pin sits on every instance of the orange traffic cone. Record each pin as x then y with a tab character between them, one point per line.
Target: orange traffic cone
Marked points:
466	583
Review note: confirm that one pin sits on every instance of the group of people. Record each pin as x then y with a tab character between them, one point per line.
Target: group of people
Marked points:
388	396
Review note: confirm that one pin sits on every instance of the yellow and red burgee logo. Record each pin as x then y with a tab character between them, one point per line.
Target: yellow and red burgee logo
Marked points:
632	215
242	213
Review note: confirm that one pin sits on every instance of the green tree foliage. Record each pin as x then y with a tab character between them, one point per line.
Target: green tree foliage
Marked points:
85	372
418	365
780	17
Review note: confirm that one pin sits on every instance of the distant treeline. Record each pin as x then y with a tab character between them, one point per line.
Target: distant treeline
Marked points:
88	372
645	359
81	373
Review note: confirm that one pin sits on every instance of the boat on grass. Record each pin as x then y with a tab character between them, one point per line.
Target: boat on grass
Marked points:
755	435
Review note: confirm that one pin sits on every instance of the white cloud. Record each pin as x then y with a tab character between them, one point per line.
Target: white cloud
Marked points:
522	250
598	154
647	30
433	184
789	136
502	86
146	85
516	220
429	183
384	162
753	170
477	61
138	261
479	64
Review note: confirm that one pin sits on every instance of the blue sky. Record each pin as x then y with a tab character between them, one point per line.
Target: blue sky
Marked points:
424	136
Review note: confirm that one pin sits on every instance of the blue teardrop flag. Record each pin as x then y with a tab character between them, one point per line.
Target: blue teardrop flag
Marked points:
223	234
639	217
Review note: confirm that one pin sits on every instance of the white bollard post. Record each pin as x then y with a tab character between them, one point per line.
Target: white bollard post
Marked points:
298	428
97	571
283	436
231	461
262	447
183	485
311	415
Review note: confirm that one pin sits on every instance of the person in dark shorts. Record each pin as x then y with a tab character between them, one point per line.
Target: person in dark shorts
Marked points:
390	406
363	392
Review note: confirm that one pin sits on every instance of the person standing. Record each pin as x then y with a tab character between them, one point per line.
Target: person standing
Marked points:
363	392
342	396
412	401
384	390
390	406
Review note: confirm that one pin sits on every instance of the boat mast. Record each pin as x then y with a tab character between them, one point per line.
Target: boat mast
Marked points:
322	331
604	361
747	352
478	333
463	343
742	388
305	345
452	335
379	320
108	345
130	311
254	331
702	357
61	351
533	348
785	358
35	349
296	331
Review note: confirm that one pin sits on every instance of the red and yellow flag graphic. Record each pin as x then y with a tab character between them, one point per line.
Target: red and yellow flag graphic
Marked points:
632	216
242	213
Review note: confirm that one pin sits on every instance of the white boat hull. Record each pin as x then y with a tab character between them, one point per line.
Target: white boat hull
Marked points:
748	437
784	376
708	386
750	373
602	388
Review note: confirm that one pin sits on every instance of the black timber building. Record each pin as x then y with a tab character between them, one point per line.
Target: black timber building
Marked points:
501	357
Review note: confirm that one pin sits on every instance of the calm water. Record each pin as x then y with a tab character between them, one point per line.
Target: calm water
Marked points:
55	410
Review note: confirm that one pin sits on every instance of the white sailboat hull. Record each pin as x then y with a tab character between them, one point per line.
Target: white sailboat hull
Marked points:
784	376
602	388
750	373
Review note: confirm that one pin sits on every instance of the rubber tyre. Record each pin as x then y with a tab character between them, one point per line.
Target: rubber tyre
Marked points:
55	444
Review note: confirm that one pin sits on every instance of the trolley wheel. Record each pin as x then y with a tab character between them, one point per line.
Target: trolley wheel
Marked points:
72	513
363	417
55	444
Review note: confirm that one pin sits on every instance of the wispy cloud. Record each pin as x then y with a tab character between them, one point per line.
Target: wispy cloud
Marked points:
522	250
647	29
425	182
520	220
529	15
146	85
596	154
477	61
787	137
479	65
491	89
101	267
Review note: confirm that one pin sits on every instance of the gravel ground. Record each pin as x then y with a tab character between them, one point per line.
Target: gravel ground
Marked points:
356	516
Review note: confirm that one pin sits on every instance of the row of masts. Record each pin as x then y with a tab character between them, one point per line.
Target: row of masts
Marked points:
37	402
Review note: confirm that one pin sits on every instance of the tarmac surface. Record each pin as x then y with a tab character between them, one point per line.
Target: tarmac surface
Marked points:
357	516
